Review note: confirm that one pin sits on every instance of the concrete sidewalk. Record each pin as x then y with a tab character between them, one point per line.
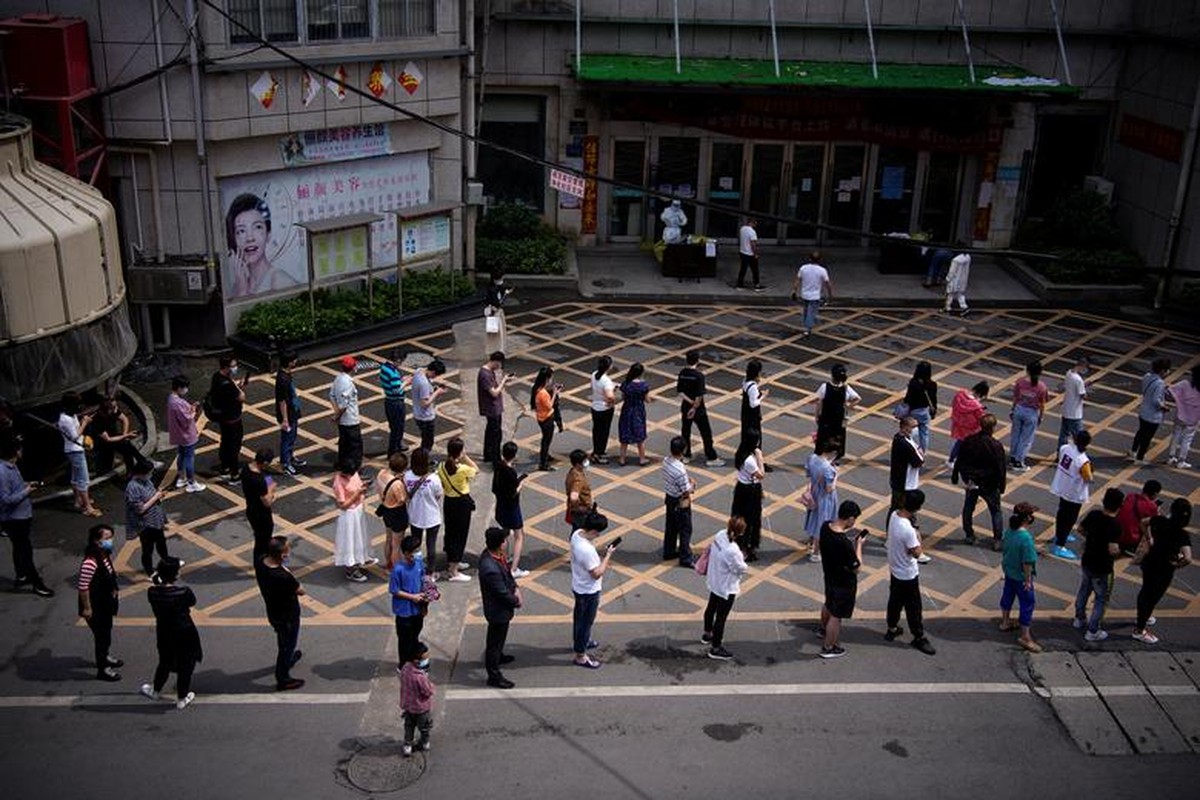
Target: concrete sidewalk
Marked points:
627	272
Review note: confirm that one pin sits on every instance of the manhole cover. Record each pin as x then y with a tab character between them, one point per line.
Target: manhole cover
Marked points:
383	768
608	283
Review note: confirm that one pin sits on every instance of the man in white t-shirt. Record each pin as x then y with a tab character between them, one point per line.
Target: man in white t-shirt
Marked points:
748	254
587	578
904	592
1072	483
811	284
343	400
1074	391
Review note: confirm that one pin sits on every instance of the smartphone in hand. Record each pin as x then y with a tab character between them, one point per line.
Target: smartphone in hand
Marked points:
616	542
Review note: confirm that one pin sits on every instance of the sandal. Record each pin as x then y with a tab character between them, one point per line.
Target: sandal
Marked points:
1009	626
1030	645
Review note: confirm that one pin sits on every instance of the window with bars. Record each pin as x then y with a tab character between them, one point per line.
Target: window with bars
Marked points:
329	20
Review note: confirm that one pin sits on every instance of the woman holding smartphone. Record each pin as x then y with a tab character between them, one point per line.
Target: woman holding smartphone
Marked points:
506	486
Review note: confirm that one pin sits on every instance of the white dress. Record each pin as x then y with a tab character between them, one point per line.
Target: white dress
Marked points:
351	545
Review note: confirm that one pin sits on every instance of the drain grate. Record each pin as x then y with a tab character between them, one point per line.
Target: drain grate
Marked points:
383	768
608	283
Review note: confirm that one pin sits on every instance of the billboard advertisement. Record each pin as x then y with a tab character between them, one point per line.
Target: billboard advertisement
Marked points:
264	252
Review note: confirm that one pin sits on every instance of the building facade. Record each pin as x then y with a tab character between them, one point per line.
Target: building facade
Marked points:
691	105
222	153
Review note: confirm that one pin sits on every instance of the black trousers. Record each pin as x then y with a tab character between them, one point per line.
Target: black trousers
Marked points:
748	263
427	427
677	531
1143	437
547	429
748	504
492	432
394	411
152	539
101	625
408	633
350	445
497	635
906	595
715	614
106	455
230	449
287	636
18	531
1064	520
183	684
702	424
1155	582
601	428
456	516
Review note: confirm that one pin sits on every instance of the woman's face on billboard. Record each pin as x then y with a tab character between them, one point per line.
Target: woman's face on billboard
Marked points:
250	234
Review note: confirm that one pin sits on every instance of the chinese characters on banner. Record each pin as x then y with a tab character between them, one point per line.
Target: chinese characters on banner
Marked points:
265	252
567	183
591	166
335	144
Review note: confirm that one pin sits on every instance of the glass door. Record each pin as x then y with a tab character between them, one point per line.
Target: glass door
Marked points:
676	172
627	207
844	194
940	198
766	180
725	187
804	198
892	203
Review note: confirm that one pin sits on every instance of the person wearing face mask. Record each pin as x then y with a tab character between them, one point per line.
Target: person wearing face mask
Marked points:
16	515
98	598
227	396
182	414
578	488
416	699
282	592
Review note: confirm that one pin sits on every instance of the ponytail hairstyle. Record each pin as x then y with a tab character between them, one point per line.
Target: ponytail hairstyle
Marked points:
454	451
603	365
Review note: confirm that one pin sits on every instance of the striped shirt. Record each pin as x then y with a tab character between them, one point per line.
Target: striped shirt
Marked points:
88	568
137	493
389	379
675	478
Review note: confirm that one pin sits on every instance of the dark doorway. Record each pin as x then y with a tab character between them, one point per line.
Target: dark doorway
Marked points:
1069	146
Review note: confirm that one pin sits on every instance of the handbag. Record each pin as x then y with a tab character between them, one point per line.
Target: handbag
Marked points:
701	565
491	324
807	500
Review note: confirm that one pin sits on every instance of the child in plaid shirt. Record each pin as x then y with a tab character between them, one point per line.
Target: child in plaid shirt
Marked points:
416	699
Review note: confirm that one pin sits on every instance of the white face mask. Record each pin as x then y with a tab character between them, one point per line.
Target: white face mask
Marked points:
183	390
586	463
233	370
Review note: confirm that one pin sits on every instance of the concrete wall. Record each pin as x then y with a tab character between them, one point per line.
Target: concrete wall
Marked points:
1159	81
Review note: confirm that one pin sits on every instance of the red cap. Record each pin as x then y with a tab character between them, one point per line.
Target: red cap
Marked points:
349	362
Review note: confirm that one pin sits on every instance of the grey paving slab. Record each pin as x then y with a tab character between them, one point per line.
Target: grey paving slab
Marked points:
1078	707
1144	721
1173	689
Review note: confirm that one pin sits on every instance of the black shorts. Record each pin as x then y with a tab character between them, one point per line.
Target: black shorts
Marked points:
840	600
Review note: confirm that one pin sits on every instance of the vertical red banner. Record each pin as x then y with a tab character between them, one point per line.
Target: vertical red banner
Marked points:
591	166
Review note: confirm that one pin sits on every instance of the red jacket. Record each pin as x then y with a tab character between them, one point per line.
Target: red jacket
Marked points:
965	413
416	690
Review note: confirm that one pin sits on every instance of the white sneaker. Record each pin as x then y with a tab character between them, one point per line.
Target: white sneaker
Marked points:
716	462
1184	465
196	486
148	691
180	482
157	464
1099	636
520	573
459	578
1078	624
463	565
923	559
1152	621
1172	461
185	701
814	557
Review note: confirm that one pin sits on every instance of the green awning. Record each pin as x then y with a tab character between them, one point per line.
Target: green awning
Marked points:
606	68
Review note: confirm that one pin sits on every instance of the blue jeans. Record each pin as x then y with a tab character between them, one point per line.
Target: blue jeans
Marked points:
939	265
586	606
287	442
1015	589
1025	422
1101	586
922	416
394	411
811	307
1068	429
186	459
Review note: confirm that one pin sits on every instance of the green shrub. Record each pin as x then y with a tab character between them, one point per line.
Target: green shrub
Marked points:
289	320
509	221
513	239
1081	266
